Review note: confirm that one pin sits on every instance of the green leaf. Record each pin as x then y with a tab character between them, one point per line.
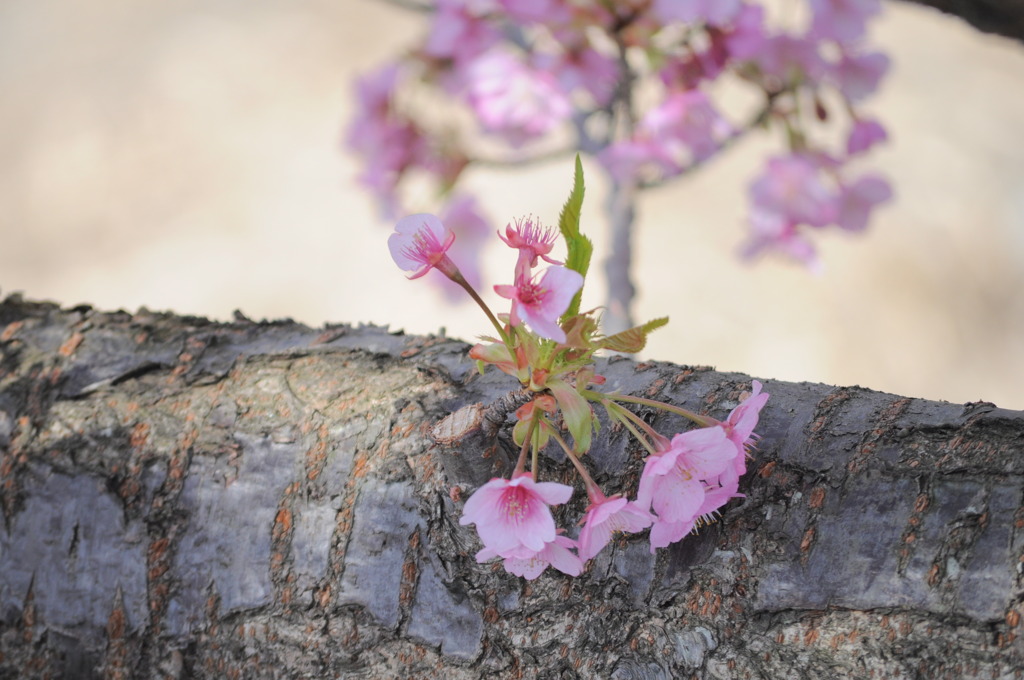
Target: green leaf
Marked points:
576	412
633	339
579	246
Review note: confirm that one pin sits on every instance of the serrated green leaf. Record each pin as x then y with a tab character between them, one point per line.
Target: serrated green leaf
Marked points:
633	339
579	247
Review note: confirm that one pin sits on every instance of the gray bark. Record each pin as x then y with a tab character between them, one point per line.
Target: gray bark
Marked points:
184	499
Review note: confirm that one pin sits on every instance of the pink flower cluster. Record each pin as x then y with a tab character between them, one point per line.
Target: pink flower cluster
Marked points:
682	486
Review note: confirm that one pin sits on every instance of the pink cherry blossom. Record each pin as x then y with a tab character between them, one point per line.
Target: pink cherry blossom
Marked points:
668	488
770	231
460	32
745	39
792	187
530	564
539	303
713	12
857	200
683	128
551	13
858	76
389	142
864	135
512	99
513	515
583	68
842	20
606	517
533	241
739	428
790	59
420	243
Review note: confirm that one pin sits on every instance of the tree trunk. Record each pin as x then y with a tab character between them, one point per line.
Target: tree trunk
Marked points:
188	499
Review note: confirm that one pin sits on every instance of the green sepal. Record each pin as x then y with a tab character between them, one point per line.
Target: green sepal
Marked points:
579	247
540	435
632	339
576	412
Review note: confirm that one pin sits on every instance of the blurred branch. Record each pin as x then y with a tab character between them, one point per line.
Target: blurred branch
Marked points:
411	5
1002	17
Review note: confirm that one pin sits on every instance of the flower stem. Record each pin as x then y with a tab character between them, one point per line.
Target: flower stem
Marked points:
527	443
703	421
623	416
487	310
593	491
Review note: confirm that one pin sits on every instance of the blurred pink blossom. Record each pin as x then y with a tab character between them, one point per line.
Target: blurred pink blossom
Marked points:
713	12
857	200
858	76
864	135
512	99
842	20
460	32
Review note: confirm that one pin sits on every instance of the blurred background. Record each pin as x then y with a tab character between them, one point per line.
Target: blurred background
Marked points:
187	156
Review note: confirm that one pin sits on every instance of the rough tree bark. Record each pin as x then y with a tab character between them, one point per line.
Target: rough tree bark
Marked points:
184	499
1002	17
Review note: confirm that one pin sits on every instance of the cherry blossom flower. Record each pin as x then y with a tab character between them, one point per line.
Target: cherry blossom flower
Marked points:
772	232
459	32
857	200
713	12
858	76
864	135
539	303
420	243
606	517
514	100
389	142
529	564
533	242
513	515
583	68
842	20
739	430
683	127
792	188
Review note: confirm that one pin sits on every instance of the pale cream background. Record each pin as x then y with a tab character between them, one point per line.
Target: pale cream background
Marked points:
187	156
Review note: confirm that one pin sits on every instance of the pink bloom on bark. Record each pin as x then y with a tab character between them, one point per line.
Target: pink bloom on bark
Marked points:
512	516
514	100
857	200
864	135
739	429
607	517
420	243
530	564
539	303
